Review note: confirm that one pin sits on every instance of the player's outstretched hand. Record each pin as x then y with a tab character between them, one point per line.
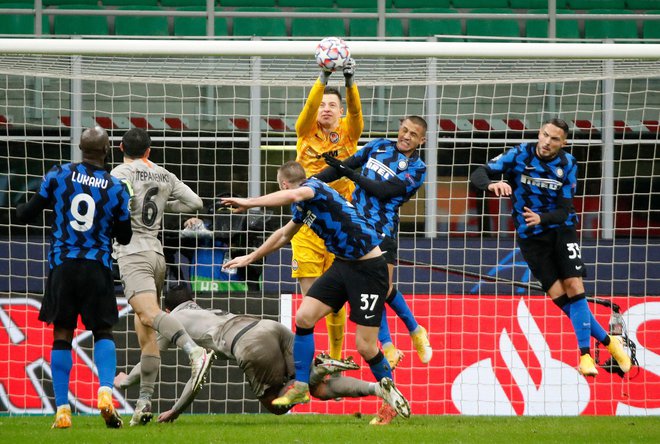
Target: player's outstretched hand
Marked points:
120	379
500	188
349	71
168	416
237	204
237	262
339	166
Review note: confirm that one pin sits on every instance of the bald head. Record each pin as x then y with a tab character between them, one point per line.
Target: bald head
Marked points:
94	142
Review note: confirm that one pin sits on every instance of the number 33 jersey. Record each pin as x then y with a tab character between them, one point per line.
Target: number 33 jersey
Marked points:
152	187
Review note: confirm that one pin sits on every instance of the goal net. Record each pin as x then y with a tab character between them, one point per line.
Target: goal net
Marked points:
221	116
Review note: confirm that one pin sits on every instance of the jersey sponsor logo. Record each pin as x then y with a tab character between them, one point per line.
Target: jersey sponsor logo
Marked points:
540	182
380	168
84	179
334	137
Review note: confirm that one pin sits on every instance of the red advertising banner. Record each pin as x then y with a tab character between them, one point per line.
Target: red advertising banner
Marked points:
493	355
511	355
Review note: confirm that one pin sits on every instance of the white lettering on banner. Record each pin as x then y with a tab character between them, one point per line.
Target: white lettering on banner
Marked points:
39	365
477	391
648	360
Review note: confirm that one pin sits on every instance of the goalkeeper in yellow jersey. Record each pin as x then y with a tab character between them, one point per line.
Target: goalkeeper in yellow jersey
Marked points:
321	129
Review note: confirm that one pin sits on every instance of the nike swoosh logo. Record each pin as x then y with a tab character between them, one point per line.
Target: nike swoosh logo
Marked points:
381	151
530	168
369	317
578	267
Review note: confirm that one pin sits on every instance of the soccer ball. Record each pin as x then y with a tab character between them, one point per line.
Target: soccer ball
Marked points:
332	53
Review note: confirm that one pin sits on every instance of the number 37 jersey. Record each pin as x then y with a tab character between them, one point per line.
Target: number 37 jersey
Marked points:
152	187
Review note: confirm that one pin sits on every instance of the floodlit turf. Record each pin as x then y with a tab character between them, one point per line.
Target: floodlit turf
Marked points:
270	429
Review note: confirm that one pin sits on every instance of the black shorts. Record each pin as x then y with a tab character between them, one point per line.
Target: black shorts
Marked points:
553	255
363	284
390	248
80	287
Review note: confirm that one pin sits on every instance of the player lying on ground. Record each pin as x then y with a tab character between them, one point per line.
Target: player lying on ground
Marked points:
263	350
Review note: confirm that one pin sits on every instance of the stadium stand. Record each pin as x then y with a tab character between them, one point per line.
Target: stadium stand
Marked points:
610	29
80	24
368	27
473	4
355	4
317	26
412	4
263	26
20	24
248	3
196	26
536	4
491	27
648	5
577	5
306	3
565	29
427	27
141	25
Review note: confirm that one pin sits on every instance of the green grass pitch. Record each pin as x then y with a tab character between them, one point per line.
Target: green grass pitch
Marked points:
336	429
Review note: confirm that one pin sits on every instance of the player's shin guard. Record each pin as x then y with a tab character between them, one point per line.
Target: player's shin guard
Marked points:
105	359
384	335
597	331
379	366
398	303
336	324
303	352
61	362
581	320
149	366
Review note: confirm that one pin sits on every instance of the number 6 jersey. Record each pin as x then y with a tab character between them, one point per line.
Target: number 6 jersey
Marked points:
155	190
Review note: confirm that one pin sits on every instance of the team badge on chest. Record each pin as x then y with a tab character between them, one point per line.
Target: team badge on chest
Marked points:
334	137
402	165
559	172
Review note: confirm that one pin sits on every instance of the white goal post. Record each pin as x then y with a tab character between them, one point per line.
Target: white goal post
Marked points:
221	115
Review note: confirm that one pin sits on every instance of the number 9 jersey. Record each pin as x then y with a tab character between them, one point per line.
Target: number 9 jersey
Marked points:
87	202
153	186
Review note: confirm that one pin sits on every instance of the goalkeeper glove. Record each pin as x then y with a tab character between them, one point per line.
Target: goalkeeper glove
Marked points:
349	71
340	167
324	76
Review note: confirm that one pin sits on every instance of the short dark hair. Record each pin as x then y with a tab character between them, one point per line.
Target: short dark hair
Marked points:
417	120
559	123
177	295
136	141
332	90
292	171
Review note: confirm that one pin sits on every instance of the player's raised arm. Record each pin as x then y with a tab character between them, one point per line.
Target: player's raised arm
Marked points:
274	242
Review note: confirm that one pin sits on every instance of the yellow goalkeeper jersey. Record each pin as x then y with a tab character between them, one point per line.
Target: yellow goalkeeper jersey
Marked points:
341	142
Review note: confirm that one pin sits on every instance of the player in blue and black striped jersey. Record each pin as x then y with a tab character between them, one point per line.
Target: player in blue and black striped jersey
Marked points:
390	173
358	274
541	179
90	208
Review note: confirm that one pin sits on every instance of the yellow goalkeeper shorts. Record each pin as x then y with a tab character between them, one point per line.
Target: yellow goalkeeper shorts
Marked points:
310	257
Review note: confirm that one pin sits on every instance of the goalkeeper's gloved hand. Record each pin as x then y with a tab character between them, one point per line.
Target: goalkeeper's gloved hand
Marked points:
340	167
324	76
349	71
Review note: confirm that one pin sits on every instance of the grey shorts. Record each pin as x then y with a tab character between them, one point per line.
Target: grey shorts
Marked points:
142	272
265	354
